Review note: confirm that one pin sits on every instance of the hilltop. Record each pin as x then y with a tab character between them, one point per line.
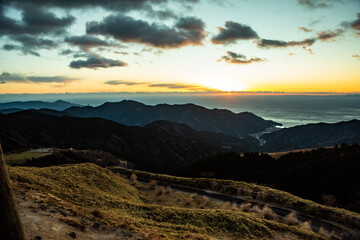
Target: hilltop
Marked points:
93	201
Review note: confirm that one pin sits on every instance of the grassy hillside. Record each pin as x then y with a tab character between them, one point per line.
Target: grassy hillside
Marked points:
327	175
93	192
17	158
258	192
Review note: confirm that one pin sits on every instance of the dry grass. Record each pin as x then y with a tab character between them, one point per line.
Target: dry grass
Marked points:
267	213
245	207
160	191
73	222
226	206
168	190
291	219
272	196
133	177
152	184
97	192
305	226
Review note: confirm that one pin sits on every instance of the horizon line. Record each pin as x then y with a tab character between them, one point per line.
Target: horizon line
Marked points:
197	92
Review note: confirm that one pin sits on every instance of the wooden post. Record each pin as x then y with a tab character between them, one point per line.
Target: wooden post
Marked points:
10	223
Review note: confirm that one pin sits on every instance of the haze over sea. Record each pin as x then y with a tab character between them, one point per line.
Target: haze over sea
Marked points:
290	110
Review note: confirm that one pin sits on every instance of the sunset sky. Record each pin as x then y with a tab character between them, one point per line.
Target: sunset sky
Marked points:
49	46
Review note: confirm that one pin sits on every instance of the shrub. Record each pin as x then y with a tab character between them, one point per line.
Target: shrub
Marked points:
305	226
267	213
152	184
226	205
245	207
160	191
291	219
133	177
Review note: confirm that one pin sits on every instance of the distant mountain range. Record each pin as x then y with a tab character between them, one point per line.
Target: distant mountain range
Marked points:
132	113
17	106
312	136
157	147
187	124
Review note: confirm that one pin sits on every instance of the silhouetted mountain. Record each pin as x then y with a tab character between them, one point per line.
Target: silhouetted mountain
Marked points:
329	175
312	136
150	148
226	142
10	110
133	113
59	105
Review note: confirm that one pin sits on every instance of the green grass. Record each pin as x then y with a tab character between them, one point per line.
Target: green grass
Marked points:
90	188
14	158
257	192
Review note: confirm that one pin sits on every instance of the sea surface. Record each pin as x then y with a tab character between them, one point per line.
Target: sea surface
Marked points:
289	110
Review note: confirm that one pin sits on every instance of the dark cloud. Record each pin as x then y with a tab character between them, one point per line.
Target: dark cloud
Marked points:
121	82
55	79
95	62
355	25
86	42
29	44
267	43
113	5
19	78
235	58
305	29
34	21
234	31
161	14
66	52
312	4
122	53
119	5
181	86
25	51
128	29
178	86
329	35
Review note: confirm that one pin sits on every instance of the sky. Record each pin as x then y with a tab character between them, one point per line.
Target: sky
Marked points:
79	46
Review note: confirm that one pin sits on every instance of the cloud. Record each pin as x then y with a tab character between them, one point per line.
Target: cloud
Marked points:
267	43
232	32
235	58
161	14
305	29
312	4
329	35
181	86
34	21
118	5
86	42
172	86
128	29
25	51
121	82
95	62
6	77
355	25
29	44
356	56
66	52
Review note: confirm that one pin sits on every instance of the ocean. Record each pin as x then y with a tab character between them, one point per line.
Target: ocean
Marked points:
289	110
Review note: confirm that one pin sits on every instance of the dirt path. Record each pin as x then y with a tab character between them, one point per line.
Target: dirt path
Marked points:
43	222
